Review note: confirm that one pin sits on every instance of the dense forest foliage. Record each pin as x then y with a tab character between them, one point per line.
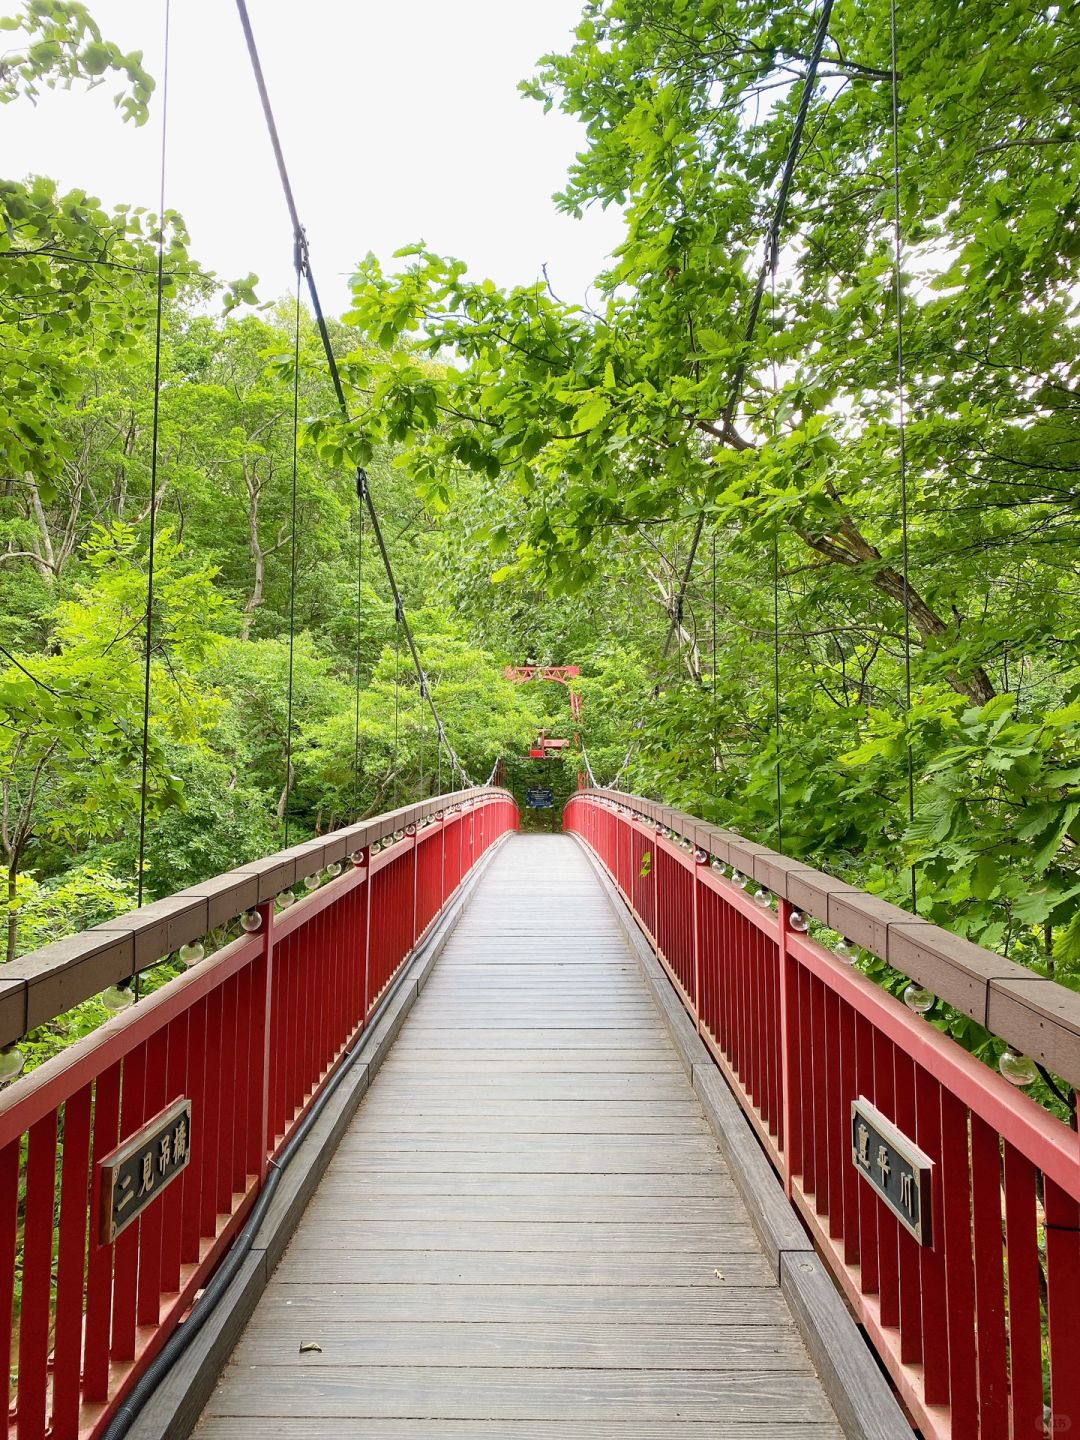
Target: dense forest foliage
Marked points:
542	468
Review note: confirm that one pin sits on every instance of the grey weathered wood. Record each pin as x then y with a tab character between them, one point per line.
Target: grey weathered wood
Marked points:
232	1427
495	1393
865	1405
563	1238
524	1124
174	1407
528	1222
487	1183
838	1350
621	1304
336	1205
318	1266
578	1344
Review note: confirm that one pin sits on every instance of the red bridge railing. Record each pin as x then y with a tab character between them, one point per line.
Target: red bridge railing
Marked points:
248	1035
980	1327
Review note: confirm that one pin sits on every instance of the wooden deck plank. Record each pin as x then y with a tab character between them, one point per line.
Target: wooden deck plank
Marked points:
676	1188
318	1266
252	1428
331	1206
556	1395
622	1304
515	1123
532	1238
592	1345
528	1227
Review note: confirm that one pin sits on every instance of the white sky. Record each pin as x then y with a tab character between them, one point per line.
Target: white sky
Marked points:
399	122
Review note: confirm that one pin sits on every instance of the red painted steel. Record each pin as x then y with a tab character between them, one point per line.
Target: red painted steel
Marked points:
250	1035
980	1330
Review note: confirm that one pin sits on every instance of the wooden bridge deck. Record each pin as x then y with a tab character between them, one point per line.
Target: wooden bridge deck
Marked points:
528	1229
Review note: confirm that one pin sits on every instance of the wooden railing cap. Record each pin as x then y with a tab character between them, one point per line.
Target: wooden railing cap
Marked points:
1033	1013
51	980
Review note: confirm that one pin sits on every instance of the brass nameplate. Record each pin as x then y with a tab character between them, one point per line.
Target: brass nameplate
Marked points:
893	1165
136	1172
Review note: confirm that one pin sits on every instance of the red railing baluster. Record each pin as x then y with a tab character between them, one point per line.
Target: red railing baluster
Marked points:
36	1309
911	1333
148	1292
838	1145
820	1091
869	1251
989	1276
71	1261
888	1239
1025	1309
9	1224
126	1246
697	922
1063	1314
847	1093
932	1257
791	1124
191	1228
364	932
210	1142
172	1204
960	1274
100	1261
225	1068
805	1040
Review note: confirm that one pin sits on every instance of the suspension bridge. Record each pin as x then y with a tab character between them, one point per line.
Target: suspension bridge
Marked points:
501	1135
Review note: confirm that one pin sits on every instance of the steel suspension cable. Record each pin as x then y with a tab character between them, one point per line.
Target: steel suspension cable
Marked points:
715	728
588	767
293	551
768	265
901	407
421	736
397	700
359	650
155	436
777	720
300	238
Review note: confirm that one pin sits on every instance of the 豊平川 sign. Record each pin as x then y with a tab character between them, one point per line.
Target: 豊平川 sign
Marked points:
894	1167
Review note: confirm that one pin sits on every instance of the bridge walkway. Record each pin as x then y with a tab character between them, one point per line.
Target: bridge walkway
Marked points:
528	1229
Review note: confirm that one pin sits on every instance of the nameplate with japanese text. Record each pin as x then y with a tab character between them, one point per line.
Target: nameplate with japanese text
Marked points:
894	1167
136	1173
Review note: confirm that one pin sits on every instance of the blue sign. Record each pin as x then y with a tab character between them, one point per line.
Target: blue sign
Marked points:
539	797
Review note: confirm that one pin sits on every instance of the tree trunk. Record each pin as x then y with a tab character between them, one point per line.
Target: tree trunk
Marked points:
258	559
283	799
687	644
851	548
13	914
44	557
